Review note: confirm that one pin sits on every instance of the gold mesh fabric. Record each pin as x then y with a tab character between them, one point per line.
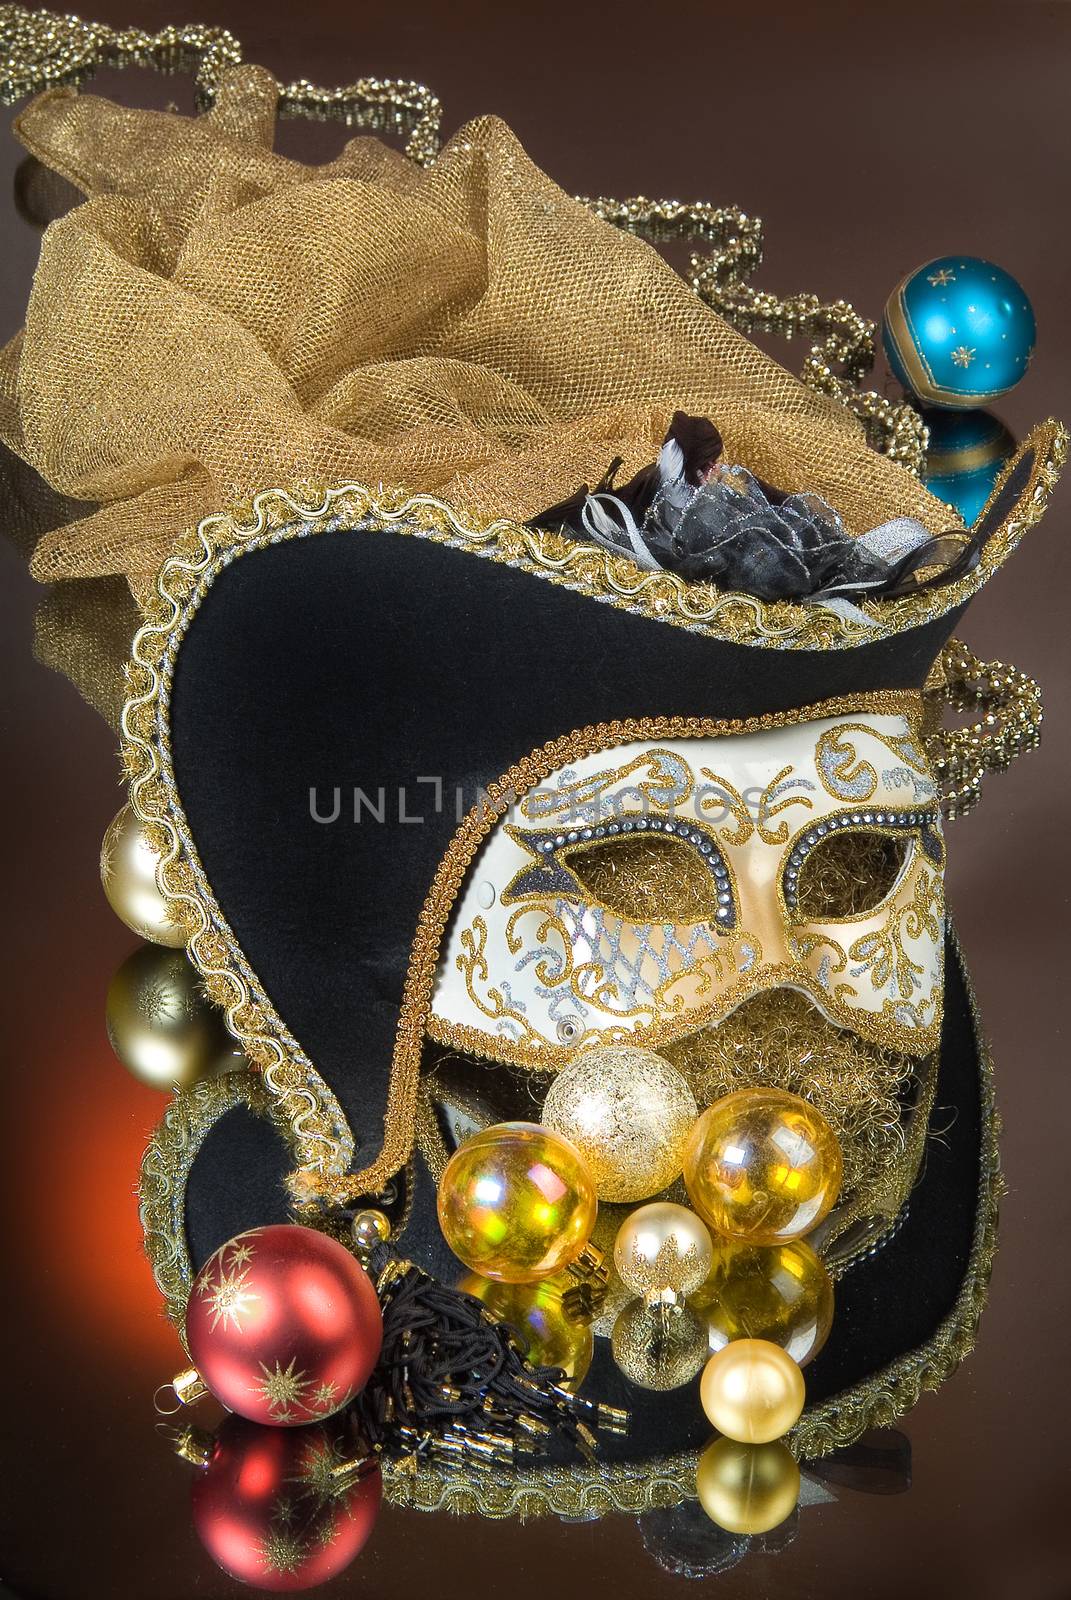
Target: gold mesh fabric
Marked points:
217	318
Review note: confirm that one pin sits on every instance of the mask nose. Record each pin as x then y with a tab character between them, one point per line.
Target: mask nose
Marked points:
760	911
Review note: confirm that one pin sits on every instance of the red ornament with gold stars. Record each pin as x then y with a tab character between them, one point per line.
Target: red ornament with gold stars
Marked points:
283	1325
283	1509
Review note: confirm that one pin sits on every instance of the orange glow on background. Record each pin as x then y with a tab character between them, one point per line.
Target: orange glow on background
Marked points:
79	1248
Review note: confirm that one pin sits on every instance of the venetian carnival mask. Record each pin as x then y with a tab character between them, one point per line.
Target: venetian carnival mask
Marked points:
545	957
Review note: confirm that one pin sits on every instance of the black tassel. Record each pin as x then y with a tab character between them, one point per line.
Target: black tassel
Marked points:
453	1382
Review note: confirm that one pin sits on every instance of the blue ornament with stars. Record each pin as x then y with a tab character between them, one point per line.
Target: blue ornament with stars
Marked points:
959	332
966	453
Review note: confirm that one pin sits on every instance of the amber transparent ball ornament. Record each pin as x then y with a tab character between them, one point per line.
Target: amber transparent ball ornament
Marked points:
779	1292
517	1203
762	1165
548	1318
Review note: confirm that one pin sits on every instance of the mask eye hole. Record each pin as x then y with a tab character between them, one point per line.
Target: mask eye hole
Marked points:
653	879
848	874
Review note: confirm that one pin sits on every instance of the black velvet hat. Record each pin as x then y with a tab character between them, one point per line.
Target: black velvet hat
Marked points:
326	657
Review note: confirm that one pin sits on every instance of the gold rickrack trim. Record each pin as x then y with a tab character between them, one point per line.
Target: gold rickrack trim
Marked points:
592	570
598	1488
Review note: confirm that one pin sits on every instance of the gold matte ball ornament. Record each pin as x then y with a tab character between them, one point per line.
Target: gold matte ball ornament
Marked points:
663	1252
161	1026
629	1113
128	866
747	1488
752	1391
762	1165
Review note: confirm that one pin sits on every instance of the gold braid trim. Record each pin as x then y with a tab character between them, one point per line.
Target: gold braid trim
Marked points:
41	50
598	1488
592	570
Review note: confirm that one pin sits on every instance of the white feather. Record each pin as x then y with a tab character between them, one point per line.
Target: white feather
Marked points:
670	463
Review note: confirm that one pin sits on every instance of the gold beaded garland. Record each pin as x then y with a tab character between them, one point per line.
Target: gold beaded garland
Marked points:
752	1391
629	1113
747	1488
128	865
161	1026
662	1252
763	1165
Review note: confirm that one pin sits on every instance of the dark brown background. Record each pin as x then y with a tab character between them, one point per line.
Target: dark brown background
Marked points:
869	139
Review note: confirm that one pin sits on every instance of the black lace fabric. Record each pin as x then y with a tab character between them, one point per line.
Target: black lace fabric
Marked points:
712	522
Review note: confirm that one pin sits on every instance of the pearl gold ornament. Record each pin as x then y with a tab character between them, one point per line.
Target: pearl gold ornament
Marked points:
161	1026
628	1111
779	1292
662	1252
747	1488
762	1165
517	1203
752	1391
546	1316
658	1347
128	866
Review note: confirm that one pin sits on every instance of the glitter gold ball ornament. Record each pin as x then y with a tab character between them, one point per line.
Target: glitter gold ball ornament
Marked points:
161	1026
283	1325
752	1391
658	1347
662	1252
128	865
517	1203
779	1292
747	1488
762	1165
628	1112
271	1510
548	1318
958	332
